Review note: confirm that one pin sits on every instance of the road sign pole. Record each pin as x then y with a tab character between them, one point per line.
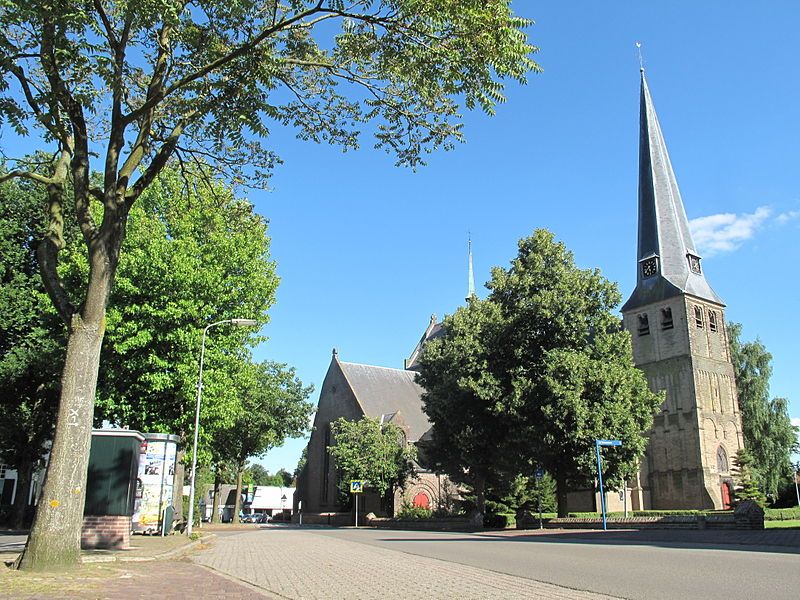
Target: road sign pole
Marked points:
600	478
356	495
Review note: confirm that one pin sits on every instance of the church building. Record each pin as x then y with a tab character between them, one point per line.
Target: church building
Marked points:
680	341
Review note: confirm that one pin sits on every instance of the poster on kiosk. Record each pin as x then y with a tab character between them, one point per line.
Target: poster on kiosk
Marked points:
156	481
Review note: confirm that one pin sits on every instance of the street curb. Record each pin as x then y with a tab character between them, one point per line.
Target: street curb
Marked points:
161	556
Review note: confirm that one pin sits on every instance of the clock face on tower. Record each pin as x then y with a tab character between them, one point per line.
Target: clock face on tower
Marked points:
649	267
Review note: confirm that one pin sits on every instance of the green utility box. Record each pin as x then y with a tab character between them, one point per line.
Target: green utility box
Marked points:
113	468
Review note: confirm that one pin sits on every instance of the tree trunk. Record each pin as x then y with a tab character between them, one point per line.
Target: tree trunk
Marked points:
215	502
561	495
24	477
237	506
55	539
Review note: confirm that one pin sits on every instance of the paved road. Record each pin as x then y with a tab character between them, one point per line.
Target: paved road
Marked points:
309	564
647	565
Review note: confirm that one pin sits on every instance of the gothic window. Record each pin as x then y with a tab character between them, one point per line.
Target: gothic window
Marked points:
712	320
694	263
666	318
722	460
644	324
698	316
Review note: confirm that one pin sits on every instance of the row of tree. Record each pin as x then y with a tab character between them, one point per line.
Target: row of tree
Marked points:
191	255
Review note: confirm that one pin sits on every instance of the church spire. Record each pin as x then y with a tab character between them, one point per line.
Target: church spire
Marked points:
471	276
667	262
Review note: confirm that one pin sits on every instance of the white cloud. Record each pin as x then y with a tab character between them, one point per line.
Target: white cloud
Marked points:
725	232
795	422
788	216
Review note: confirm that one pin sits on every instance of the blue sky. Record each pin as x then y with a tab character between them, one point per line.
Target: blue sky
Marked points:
367	251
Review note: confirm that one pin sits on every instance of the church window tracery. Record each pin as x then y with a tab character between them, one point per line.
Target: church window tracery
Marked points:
666	318
698	316
644	324
712	320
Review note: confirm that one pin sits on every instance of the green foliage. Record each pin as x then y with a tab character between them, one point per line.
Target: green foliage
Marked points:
188	260
498	520
534	374
408	512
782	514
371	451
226	72
32	336
273	405
258	475
746	486
768	432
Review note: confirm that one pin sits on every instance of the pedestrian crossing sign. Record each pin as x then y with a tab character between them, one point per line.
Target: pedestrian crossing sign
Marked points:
356	486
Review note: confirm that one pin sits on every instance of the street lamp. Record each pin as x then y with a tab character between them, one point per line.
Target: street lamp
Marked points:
236	323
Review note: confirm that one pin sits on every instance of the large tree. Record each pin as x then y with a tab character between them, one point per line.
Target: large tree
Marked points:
464	399
769	435
553	373
140	82
375	452
273	405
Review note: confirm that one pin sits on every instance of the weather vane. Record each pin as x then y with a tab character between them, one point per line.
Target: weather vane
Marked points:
641	60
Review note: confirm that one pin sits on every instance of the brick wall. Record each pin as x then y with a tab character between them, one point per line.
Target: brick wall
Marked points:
106	532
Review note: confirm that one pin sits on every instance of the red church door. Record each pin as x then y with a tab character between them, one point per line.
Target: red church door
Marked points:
421	500
726	495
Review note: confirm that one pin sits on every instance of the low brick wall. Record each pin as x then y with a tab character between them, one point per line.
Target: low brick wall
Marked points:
108	532
336	519
433	524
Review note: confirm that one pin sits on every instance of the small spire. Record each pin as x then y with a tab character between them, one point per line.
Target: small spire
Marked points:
335	353
471	276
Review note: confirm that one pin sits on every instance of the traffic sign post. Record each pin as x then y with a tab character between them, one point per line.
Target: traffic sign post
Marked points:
597	445
356	488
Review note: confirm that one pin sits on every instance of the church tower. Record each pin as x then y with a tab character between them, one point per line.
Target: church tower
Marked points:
680	341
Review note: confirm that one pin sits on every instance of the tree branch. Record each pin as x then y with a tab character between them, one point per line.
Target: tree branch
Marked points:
152	102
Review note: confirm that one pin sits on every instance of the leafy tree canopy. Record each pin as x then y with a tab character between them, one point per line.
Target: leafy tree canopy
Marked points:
371	451
550	374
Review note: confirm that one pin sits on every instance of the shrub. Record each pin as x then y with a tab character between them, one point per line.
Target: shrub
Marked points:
782	514
499	520
414	512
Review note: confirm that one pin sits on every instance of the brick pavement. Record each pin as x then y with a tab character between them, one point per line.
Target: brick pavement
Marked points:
303	565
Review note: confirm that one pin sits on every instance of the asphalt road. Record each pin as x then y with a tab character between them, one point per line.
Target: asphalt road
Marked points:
610	563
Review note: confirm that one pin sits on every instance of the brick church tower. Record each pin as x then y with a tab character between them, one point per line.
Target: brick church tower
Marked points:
680	341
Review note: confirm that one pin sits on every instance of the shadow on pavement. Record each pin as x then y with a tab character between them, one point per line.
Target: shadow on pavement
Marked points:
786	541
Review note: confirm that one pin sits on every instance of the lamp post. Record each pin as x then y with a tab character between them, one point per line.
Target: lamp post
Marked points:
236	323
795	472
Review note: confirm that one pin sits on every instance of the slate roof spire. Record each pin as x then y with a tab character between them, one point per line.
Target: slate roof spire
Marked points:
470	276
668	263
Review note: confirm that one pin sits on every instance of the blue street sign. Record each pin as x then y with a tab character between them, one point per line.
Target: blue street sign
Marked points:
356	486
609	443
539	473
